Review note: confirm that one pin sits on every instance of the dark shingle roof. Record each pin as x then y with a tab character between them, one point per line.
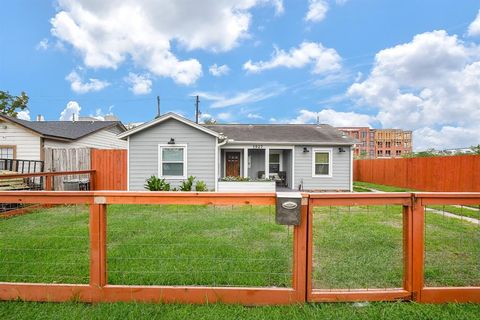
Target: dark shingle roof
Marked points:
71	130
292	133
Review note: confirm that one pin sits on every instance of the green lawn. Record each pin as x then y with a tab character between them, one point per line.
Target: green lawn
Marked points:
354	247
379	187
387	311
198	245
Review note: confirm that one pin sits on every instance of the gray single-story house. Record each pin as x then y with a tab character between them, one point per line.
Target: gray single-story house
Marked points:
286	156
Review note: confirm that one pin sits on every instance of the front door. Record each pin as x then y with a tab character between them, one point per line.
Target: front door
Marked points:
232	165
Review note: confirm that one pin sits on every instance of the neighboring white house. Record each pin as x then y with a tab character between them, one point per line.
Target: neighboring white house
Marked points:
289	156
27	140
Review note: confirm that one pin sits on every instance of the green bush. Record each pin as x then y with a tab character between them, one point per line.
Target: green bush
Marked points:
156	184
187	184
201	186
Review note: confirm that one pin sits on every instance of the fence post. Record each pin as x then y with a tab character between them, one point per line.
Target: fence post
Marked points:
98	248
418	247
92	180
48	183
408	248
300	258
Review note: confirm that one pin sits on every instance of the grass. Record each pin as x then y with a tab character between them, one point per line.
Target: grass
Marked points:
198	245
379	187
23	310
354	247
463	211
357	247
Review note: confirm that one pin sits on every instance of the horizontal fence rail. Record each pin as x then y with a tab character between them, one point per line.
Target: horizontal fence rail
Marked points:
347	247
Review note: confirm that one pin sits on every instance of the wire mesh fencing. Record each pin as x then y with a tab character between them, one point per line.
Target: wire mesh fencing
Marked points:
48	245
357	247
452	246
198	245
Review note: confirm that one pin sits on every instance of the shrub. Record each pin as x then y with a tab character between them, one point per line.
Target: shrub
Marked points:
187	184
201	186
156	184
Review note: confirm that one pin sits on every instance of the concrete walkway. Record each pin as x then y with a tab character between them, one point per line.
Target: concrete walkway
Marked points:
446	214
466	207
451	215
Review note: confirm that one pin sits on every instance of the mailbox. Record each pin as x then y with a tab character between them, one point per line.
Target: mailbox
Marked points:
288	208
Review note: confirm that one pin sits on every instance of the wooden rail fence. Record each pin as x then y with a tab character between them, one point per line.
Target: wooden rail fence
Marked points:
99	289
442	174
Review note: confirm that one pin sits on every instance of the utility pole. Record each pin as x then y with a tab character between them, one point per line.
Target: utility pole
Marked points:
158	107
197	109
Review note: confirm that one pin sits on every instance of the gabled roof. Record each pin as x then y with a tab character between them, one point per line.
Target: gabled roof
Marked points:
166	116
322	134
64	130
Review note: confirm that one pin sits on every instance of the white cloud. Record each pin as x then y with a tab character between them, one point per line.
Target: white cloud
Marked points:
332	117
24	114
72	108
317	10
474	27
254	116
242	98
324	60
106	33
430	85
43	44
224	116
218	71
78	86
140	84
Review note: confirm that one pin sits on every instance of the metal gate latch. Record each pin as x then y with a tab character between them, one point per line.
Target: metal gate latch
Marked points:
288	208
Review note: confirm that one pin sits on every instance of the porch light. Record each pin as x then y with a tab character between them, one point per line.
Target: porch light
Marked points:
172	141
341	149
305	150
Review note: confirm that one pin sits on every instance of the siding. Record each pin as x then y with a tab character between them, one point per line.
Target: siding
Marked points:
143	153
104	139
27	143
340	179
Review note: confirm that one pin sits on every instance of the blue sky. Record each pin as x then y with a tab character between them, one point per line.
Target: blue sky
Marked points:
408	64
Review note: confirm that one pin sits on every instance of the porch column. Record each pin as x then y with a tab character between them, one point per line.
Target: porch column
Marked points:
245	162
267	163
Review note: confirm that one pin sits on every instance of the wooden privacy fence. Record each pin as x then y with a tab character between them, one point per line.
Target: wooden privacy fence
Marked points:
302	289
443	174
110	167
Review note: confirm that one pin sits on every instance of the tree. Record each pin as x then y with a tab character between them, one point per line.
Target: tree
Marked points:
11	105
426	153
476	149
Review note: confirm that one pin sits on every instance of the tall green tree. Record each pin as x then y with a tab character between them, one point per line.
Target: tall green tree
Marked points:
475	149
11	105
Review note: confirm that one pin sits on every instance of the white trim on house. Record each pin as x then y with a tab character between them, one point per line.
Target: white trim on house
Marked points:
280	157
128	163
351	169
164	118
160	161
330	162
290	143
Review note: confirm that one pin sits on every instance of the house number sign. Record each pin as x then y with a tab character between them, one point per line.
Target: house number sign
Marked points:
257	146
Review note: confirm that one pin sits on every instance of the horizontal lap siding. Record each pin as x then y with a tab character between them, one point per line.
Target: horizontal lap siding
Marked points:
340	179
143	153
27	143
104	139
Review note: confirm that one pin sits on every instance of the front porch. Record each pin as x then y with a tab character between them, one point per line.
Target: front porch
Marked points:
261	168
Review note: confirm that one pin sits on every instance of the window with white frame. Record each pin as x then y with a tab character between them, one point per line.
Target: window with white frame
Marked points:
322	162
172	160
7	152
274	163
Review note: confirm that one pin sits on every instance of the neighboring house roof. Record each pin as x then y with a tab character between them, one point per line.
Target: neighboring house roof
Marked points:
64	130
322	134
166	116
